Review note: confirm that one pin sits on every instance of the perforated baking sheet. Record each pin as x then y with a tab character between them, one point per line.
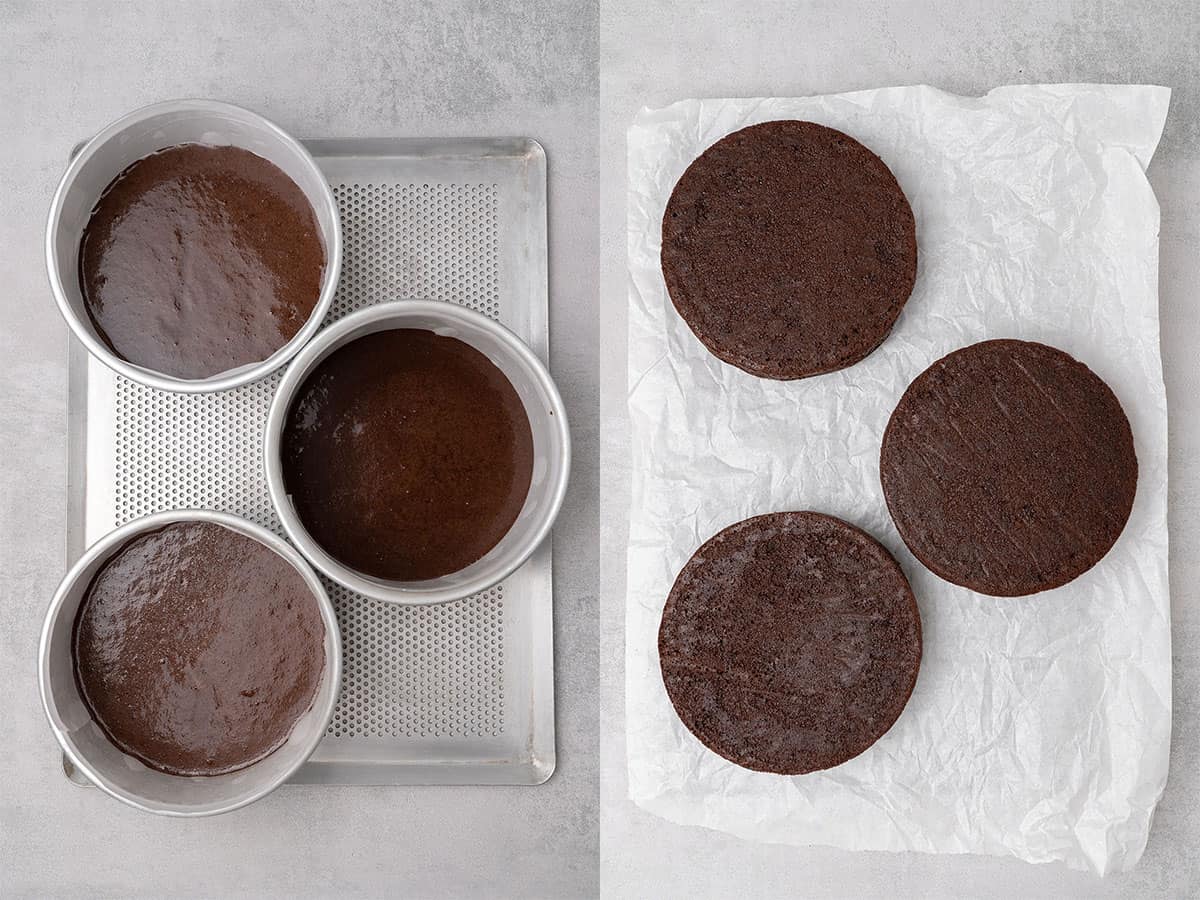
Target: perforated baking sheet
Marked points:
460	693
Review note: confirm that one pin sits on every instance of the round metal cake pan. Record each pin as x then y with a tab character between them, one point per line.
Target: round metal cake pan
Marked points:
547	420
128	779
138	135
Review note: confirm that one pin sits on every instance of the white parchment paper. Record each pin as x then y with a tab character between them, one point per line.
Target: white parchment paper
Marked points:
1039	727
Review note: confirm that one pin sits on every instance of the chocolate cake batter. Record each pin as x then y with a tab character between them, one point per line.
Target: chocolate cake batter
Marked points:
197	260
790	642
789	249
197	649
1009	468
407	455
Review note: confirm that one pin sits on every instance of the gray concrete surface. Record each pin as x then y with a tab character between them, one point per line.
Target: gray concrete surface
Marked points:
653	53
319	69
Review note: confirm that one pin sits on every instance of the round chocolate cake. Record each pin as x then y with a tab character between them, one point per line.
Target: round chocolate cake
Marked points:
197	649
790	642
1009	468
198	260
789	249
408	455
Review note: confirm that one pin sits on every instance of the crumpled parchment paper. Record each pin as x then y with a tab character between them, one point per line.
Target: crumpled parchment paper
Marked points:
1039	726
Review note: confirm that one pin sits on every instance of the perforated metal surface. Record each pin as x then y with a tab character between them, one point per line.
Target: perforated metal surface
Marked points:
431	671
420	683
432	240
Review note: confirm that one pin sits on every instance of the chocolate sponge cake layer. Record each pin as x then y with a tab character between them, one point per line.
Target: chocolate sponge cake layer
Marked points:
789	249
1009	468
790	642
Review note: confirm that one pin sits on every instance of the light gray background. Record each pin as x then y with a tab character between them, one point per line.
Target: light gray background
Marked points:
328	69
653	53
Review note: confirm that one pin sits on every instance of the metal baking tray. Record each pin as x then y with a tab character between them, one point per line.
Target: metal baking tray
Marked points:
460	693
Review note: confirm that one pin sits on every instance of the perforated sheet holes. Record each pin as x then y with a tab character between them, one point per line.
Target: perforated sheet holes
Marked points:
427	241
410	672
402	680
204	451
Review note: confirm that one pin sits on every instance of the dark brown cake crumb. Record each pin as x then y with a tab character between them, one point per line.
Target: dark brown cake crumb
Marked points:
789	249
1009	468
790	642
